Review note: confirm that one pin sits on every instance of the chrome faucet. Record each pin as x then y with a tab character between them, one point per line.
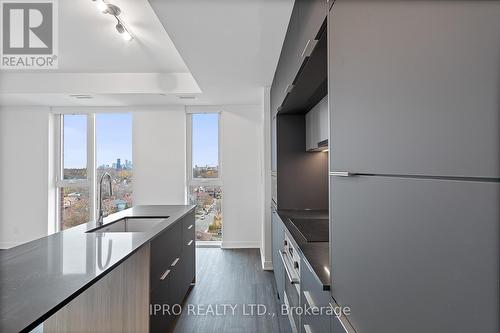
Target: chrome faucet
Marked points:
99	201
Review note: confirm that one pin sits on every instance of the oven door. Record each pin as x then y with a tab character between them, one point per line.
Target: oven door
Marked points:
292	289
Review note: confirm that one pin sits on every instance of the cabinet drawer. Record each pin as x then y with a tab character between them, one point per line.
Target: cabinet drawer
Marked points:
161	294
165	249
189	264
278	236
188	228
188	233
314	296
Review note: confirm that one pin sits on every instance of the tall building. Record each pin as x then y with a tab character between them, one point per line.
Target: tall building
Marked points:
118	164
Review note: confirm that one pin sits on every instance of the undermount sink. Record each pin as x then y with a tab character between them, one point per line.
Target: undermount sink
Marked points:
130	224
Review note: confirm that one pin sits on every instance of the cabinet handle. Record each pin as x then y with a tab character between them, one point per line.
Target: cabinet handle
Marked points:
309	300
292	279
165	274
289	88
307	329
189	243
190	227
175	262
308	49
342	174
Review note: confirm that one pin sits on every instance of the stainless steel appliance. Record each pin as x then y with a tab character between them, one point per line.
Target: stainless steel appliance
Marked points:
291	262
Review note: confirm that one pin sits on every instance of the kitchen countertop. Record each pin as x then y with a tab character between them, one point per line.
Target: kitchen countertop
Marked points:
41	276
317	254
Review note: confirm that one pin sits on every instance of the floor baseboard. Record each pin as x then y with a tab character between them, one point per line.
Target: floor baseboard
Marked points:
240	245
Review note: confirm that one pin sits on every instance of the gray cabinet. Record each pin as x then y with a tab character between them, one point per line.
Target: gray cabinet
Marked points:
317	126
165	248
189	251
313	297
172	270
416	255
274	146
336	325
426	107
312	14
278	237
305	22
288	63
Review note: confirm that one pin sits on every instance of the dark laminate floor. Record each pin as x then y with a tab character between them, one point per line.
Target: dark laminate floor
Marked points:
232	277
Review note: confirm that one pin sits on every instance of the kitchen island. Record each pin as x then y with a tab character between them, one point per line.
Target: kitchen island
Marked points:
43	277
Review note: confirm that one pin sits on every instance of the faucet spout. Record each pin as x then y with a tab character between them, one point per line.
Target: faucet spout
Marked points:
105	176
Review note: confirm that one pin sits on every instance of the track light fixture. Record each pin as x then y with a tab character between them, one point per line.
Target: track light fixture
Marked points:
108	8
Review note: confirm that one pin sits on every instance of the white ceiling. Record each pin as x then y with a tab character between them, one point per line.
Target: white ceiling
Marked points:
90	43
231	46
227	48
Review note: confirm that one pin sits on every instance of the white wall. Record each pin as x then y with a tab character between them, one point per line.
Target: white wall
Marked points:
25	174
266	231
159	154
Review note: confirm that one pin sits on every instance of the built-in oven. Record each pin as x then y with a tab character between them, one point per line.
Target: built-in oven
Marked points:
291	261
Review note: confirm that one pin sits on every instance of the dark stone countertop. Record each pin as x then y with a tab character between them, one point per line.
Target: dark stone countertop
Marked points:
41	276
316	254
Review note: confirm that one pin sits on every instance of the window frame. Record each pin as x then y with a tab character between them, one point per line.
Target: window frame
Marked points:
58	158
189	150
191	181
60	182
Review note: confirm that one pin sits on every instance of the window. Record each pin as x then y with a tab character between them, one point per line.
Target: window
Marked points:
204	175
75	147
205	129
87	146
114	156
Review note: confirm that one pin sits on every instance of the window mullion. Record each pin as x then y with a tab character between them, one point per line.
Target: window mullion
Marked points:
91	164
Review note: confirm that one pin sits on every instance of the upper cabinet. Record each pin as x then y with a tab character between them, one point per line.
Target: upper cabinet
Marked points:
306	21
288	63
422	99
312	14
317	127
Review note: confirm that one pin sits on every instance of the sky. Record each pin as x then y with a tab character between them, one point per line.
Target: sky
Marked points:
113	139
205	139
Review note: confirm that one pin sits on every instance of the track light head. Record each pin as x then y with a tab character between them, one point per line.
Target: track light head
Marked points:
123	32
101	5
108	8
112	9
120	28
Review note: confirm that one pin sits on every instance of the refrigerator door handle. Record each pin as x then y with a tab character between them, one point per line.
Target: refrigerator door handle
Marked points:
342	174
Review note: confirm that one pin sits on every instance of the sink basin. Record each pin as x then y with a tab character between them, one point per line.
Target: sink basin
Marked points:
130	224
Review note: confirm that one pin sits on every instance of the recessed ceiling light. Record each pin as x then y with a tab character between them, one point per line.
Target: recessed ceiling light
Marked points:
187	97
